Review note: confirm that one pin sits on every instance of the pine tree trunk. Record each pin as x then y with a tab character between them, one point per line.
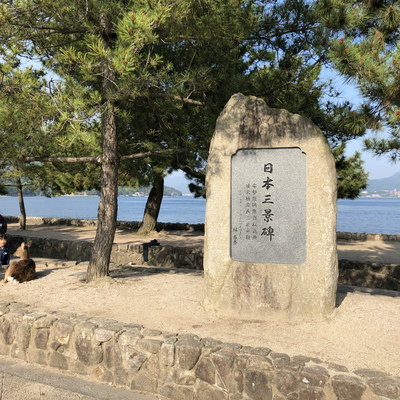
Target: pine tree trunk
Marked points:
108	205
153	206
22	218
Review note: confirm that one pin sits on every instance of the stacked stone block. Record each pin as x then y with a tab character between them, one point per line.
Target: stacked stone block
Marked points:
167	226
129	225
369	274
386	237
122	253
366	274
178	366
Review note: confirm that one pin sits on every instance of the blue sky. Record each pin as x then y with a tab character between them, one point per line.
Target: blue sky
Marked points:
178	181
378	168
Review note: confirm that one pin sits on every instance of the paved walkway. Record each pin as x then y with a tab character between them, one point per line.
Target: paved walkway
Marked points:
20	381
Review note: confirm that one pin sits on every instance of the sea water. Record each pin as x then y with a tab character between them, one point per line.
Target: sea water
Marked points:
371	215
182	209
378	215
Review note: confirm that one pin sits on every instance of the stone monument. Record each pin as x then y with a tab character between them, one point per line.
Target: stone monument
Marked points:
270	233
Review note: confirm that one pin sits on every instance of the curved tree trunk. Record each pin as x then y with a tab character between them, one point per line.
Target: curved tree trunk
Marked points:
108	205
153	206
22	218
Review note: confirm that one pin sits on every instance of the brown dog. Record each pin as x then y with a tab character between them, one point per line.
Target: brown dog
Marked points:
22	270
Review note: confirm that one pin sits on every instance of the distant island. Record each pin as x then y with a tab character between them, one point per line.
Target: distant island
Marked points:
377	188
384	187
122	191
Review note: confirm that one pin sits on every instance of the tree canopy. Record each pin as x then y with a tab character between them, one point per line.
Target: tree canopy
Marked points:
289	56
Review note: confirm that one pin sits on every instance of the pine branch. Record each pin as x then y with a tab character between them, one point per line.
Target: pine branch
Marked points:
61	159
182	99
98	160
151	153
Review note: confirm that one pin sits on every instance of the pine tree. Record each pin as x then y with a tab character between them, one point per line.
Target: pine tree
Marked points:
113	55
283	64
365	51
289	59
27	118
20	126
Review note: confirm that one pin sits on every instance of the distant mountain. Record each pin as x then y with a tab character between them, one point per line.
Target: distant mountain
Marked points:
380	185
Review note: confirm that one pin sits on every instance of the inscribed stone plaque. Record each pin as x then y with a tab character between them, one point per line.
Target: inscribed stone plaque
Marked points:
268	206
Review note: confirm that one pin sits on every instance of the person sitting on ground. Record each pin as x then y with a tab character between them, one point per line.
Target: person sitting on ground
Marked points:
4	252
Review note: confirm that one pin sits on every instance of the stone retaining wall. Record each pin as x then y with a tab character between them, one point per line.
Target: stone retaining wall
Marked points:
79	250
366	274
134	226
178	366
387	237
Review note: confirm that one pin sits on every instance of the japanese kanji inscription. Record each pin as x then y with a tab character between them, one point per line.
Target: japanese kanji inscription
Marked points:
268	206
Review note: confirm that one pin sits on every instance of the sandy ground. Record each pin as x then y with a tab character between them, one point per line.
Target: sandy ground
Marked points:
363	331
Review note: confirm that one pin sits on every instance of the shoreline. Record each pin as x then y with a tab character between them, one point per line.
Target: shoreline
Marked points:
177	226
365	215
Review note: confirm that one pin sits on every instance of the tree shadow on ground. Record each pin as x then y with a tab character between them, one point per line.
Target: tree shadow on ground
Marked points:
130	271
40	273
344	290
44	272
381	252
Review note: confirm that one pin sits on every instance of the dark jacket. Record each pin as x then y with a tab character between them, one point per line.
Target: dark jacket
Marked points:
4	255
3	225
